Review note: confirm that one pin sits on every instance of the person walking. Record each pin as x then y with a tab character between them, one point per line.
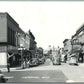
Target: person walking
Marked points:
28	64
80	57
8	63
65	58
8	66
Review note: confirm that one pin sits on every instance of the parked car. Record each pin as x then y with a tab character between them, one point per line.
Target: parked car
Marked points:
41	60
2	78
33	62
62	57
73	59
56	61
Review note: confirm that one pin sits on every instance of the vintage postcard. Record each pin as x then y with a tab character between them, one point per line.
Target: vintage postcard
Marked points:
41	41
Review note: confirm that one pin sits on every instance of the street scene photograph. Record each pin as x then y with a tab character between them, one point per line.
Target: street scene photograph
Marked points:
41	41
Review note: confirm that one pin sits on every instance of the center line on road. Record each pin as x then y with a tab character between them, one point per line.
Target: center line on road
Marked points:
9	77
47	77
25	77
69	81
35	77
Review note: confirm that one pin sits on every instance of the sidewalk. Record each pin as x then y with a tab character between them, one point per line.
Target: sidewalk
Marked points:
11	69
80	65
72	72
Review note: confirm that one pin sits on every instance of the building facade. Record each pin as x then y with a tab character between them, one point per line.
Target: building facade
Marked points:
27	41
78	39
75	43
78	43
12	37
67	46
33	44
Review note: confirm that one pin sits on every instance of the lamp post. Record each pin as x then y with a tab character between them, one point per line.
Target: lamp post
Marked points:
21	55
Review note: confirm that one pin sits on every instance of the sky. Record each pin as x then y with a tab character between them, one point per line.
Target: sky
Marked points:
51	22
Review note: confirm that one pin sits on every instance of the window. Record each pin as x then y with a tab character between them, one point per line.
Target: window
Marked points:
11	36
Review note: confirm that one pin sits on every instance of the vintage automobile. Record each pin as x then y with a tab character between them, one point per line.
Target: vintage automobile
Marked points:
56	57
41	60
73	59
33	62
62	58
56	61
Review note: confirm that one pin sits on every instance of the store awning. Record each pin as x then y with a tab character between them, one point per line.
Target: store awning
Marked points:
13	51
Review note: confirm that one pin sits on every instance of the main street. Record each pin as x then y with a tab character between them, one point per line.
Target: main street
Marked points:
47	73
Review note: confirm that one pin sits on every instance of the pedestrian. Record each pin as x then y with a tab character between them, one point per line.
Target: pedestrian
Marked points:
28	64
8	67
23	64
65	58
80	57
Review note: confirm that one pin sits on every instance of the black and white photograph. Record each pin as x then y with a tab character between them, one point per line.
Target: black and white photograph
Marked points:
41	41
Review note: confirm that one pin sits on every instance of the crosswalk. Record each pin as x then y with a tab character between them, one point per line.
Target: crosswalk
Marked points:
9	77
48	72
35	77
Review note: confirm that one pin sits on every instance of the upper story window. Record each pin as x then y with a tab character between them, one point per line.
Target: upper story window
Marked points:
11	36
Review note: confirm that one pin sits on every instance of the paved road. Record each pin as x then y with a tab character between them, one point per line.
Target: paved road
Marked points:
48	73
37	74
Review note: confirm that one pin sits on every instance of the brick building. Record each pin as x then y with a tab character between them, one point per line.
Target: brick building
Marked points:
67	46
12	37
33	44
78	39
78	42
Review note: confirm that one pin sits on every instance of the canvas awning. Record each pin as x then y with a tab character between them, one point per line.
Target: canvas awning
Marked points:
13	51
